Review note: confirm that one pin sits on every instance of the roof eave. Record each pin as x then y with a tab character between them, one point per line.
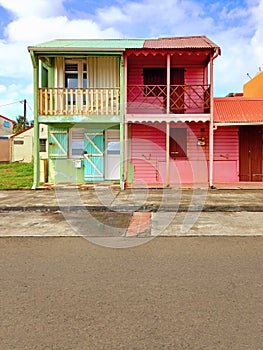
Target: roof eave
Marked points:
40	50
238	123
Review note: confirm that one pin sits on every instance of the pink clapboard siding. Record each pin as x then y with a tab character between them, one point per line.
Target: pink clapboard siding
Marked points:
148	154
197	77
193	76
226	154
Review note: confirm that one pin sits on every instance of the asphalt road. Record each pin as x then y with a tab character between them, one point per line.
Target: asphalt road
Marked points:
170	293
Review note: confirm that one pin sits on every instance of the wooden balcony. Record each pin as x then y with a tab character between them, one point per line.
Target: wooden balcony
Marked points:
82	102
184	99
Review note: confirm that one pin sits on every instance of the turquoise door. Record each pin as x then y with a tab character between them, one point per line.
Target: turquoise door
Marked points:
93	155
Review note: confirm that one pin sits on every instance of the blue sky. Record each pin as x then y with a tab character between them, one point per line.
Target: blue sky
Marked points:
236	26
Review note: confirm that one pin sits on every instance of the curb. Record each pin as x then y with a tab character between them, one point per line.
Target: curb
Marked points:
145	208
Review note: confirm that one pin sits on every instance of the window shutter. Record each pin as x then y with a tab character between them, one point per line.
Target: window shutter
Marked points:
58	143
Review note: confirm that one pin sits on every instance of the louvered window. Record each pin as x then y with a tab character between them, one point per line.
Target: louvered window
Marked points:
76	142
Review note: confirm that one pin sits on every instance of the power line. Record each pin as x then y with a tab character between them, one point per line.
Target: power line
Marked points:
30	107
12	103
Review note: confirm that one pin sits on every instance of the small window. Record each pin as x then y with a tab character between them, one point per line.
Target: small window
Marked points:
42	145
154	80
77	142
113	147
178	142
6	124
71	67
18	142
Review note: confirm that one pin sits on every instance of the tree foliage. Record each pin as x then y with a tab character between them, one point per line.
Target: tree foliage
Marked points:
20	125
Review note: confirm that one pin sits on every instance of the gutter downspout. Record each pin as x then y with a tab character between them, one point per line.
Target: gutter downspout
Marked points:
36	124
211	125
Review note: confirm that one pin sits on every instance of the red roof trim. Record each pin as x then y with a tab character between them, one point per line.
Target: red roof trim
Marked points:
21	132
7	119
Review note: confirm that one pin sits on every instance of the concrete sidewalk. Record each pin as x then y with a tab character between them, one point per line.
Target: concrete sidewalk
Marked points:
103	215
130	200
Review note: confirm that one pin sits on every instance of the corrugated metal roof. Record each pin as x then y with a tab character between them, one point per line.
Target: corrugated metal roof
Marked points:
190	42
70	44
238	110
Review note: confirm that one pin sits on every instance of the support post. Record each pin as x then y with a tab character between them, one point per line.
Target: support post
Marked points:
36	124
168	78
122	117
211	125
167	154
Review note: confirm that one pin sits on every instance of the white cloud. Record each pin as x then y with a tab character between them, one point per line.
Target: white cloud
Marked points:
38	21
32	30
151	18
2	88
43	20
41	8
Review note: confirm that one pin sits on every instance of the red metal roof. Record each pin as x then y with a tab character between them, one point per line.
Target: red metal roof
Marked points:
238	110
186	42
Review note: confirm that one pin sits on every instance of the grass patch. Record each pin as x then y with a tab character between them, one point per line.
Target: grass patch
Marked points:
16	175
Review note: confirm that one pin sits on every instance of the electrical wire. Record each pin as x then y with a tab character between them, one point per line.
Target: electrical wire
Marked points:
11	103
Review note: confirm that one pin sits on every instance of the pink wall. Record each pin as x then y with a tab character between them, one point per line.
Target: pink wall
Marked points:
226	154
148	154
193	76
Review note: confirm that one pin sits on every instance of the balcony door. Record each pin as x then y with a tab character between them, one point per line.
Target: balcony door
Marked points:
75	78
155	81
177	91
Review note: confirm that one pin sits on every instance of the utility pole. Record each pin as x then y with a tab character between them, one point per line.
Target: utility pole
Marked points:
24	123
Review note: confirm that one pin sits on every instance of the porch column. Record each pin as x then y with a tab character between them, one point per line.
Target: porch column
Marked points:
211	125
168	80
36	124
125	123
126	152
167	154
122	118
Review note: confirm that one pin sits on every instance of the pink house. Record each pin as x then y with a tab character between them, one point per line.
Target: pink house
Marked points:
238	130
168	119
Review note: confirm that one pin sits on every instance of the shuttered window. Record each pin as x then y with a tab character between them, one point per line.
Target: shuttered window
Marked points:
58	143
76	142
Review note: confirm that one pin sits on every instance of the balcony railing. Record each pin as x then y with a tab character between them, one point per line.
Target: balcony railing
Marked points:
147	99
69	102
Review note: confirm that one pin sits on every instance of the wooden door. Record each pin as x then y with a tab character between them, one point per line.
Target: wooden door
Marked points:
250	153
177	91
93	155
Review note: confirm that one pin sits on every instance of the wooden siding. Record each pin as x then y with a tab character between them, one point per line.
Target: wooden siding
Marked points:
226	154
194	76
103	72
148	154
195	86
147	150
